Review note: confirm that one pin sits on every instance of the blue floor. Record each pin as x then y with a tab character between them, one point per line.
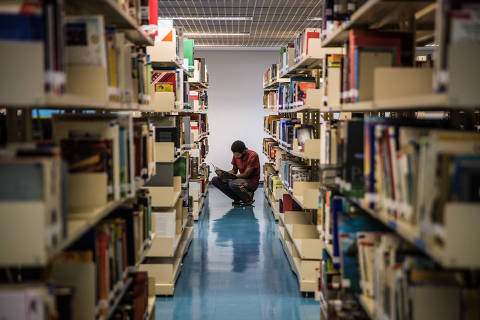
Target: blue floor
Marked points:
236	269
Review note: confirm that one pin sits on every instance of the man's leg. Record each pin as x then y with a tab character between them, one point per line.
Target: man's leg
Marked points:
223	185
242	188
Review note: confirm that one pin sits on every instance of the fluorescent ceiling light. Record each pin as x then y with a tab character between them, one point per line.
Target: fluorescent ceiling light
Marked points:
220	34
315	19
219	45
211	18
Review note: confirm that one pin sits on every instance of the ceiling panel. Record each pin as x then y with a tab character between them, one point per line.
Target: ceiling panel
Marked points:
273	22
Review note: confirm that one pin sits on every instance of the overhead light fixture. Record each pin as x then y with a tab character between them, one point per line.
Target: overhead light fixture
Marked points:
315	19
215	34
219	45
211	18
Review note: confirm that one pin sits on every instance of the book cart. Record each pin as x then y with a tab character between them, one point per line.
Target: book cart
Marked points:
396	228
85	205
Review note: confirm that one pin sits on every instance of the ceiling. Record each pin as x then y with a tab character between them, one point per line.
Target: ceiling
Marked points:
273	22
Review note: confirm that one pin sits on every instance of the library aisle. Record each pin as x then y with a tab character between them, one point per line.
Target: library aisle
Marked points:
236	269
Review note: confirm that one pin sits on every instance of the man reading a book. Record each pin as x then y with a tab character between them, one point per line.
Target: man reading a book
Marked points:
245	176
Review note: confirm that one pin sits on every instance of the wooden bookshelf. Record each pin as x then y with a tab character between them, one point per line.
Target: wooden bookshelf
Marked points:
114	15
367	16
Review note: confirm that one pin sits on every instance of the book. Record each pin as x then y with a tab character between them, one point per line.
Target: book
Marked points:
85	39
223	174
188	53
164	80
90	156
66	126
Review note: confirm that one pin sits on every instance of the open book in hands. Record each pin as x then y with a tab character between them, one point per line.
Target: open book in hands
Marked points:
222	174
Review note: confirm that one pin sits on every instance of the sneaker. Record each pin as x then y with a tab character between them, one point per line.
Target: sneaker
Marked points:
247	203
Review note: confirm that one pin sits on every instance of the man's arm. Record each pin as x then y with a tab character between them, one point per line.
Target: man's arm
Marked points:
246	174
234	170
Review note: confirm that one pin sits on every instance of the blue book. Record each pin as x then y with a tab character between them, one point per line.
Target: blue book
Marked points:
21	27
348	226
337	206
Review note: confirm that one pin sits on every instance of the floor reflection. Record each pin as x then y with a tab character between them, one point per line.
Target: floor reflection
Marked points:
239	229
236	269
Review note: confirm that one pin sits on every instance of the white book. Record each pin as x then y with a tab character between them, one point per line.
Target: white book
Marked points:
85	37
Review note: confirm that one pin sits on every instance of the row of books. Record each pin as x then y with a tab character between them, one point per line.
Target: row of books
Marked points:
334	13
200	71
183	129
135	302
303	44
198	99
270	99
294	94
349	77
88	161
292	53
272	74
63	301
171	80
269	149
381	161
291	133
371	265
289	95
78	48
453	39
197	159
94	271
287	57
290	171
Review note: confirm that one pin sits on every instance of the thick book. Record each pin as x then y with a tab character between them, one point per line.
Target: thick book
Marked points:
223	174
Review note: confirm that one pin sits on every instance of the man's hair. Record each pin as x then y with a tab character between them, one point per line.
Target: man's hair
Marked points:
238	146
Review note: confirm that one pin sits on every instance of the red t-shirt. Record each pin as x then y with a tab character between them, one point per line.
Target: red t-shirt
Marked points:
249	160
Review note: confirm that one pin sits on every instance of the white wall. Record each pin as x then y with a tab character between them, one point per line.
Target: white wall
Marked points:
236	101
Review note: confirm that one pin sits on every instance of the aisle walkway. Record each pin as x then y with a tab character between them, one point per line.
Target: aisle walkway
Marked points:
236	269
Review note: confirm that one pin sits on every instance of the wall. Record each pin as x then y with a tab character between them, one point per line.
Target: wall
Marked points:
236	100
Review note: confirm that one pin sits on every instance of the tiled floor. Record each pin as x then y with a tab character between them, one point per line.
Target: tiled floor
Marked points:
236	269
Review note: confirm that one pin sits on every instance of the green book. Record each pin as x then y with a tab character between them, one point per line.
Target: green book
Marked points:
188	45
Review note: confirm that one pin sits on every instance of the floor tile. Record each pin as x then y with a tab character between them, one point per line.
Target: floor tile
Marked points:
236	269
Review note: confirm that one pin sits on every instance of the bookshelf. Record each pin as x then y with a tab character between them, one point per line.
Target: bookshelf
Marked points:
367	16
113	14
103	226
411	219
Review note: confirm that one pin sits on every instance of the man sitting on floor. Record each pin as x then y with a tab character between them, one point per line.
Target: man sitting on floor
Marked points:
241	189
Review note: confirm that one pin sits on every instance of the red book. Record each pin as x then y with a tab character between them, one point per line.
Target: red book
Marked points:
153	18
102	265
310	35
365	38
140	295
289	204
